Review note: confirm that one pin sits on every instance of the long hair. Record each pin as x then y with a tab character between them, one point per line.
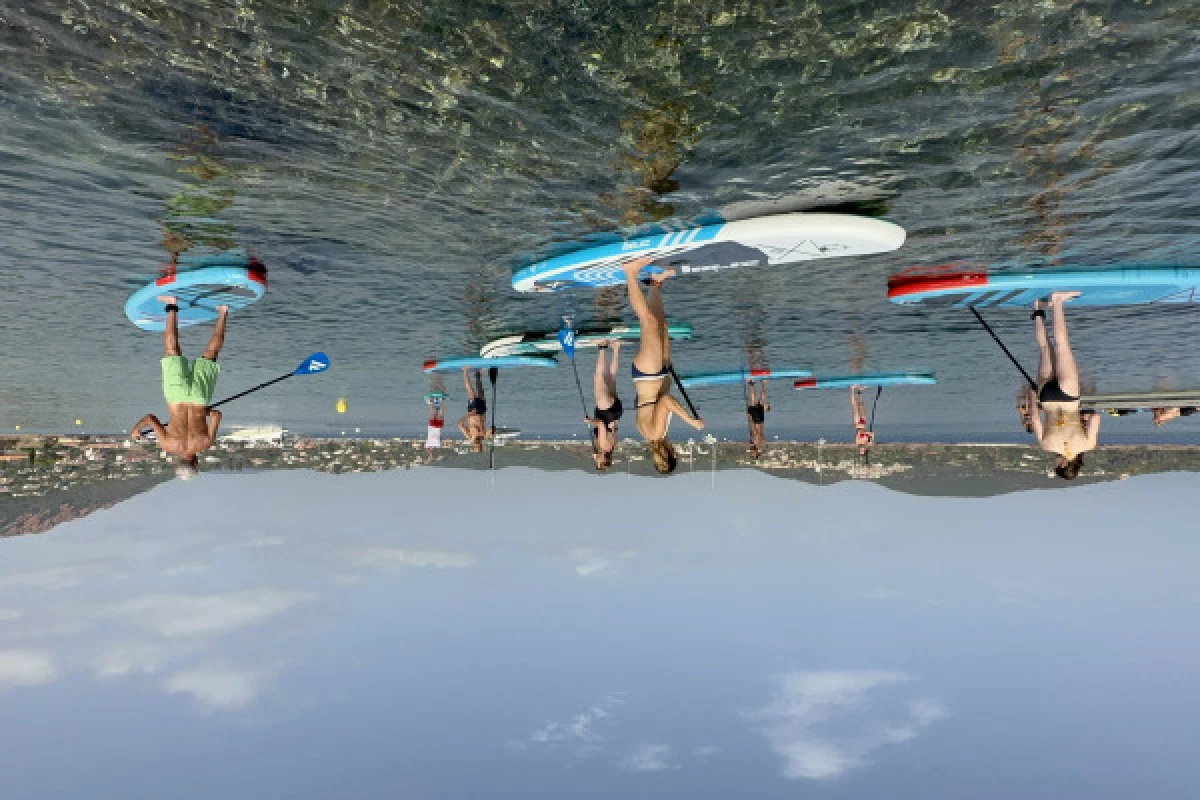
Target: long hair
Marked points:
663	453
1070	470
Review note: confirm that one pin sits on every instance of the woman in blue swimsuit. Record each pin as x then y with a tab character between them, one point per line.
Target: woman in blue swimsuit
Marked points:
651	376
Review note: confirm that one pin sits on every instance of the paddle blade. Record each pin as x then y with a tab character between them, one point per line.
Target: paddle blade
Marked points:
492	373
566	338
317	362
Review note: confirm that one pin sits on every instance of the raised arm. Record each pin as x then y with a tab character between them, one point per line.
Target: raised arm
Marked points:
151	420
214	422
673	406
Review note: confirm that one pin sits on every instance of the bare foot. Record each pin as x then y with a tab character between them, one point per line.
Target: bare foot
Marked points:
1058	298
222	309
656	280
166	299
616	347
634	267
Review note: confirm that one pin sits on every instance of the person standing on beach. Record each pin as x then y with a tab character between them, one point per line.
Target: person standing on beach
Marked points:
188	389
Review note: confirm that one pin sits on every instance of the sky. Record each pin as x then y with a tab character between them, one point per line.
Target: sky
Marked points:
425	633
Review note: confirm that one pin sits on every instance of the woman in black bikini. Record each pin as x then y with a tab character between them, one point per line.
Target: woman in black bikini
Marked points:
604	423
1061	427
651	376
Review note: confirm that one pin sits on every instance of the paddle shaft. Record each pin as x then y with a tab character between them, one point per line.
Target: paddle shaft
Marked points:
874	405
492	373
683	391
579	386
255	389
1011	357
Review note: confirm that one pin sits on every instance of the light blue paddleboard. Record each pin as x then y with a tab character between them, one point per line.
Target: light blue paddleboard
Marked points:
532	342
758	242
237	283
1158	398
867	379
727	377
431	396
960	287
479	362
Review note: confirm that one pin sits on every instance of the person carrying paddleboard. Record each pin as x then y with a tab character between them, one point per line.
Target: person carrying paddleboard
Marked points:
1060	426
608	410
756	412
473	424
651	368
864	438
188	388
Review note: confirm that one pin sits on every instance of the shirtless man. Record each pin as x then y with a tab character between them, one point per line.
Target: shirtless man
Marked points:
1060	426
188	388
473	424
756	413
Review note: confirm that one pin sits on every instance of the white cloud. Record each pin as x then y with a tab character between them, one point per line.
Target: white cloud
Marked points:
218	688
184	569
818	722
582	727
57	578
193	615
396	559
705	751
135	657
265	541
9	614
26	668
650	758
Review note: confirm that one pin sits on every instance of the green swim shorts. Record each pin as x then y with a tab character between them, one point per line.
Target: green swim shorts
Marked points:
189	383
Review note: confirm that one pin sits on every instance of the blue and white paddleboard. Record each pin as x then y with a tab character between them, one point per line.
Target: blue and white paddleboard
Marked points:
237	283
532	342
867	379
479	362
960	287
730	376
760	242
432	396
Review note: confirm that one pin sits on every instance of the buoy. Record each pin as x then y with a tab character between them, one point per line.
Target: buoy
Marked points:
341	405
78	422
16	427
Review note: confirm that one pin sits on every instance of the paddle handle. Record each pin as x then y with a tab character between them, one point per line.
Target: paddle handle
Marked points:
683	391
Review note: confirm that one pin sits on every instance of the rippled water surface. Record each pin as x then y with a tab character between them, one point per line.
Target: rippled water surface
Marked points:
393	163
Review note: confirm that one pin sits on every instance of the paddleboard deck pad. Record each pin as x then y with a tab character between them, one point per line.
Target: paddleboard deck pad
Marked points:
479	362
727	377
961	287
759	242
1160	398
198	292
533	342
867	379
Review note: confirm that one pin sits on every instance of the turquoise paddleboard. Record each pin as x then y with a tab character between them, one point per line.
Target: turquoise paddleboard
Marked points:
479	362
727	377
532	342
959	287
867	379
236	282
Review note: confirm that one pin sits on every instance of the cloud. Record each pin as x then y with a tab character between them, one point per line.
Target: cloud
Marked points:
818	722
10	614
57	578
184	569
582	727
650	758
218	688
265	541
705	751
194	615
135	657
396	559
26	668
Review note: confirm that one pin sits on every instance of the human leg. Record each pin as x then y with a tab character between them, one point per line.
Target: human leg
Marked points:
1065	368
1045	358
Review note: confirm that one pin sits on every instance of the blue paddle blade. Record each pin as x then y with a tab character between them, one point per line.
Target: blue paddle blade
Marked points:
566	337
317	362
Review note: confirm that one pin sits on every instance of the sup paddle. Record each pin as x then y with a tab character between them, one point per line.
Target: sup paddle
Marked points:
317	362
1011	357
683	391
566	338
492	373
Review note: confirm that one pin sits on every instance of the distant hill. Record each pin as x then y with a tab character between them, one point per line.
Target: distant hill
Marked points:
22	515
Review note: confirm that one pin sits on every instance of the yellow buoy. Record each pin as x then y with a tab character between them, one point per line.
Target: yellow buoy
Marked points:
16	427
78	422
341	405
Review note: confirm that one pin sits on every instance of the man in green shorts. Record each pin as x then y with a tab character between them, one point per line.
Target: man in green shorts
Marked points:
191	425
